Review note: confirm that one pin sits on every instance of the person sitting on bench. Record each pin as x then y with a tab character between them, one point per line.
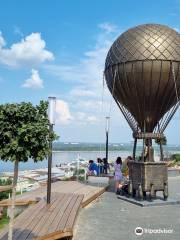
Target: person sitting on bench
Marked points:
93	168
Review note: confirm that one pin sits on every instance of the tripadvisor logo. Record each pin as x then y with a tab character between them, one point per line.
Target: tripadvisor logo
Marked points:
138	231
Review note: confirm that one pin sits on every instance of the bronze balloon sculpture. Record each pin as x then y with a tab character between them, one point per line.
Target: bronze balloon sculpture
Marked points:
142	72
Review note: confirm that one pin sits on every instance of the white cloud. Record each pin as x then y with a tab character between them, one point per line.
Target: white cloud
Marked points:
89	70
63	115
80	92
90	105
92	119
2	41
34	82
30	51
86	76
66	73
108	27
83	118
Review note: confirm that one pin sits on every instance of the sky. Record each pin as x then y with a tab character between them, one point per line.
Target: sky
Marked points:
58	48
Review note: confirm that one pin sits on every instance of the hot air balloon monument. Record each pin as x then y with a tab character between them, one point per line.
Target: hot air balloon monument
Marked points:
142	72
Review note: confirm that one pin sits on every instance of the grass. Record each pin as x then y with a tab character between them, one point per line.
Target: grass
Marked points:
4	221
19	192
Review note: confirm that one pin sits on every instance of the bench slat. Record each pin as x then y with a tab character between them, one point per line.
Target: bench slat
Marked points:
5	188
73	214
49	221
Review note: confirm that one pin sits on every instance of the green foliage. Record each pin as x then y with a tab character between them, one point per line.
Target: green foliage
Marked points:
24	132
162	141
81	178
80	172
19	192
175	160
3	182
4	221
175	157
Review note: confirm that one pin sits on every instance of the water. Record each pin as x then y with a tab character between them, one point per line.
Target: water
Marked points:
63	157
69	156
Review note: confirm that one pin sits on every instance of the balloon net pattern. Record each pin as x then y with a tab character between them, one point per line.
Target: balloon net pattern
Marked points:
147	92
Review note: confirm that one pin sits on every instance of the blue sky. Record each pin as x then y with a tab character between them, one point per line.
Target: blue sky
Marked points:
58	48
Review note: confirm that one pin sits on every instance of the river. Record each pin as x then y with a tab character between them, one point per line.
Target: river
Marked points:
62	157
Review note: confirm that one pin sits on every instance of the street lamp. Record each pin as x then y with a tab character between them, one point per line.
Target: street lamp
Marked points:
51	116
107	136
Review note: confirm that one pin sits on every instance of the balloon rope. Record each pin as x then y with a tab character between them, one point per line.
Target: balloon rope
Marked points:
101	112
112	97
173	73
174	109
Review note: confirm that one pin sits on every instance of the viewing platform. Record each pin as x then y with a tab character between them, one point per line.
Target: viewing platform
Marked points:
47	222
41	221
89	192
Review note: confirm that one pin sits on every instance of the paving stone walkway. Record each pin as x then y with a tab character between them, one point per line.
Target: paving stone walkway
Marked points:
110	218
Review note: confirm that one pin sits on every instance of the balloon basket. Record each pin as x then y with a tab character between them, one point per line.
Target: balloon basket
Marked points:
147	177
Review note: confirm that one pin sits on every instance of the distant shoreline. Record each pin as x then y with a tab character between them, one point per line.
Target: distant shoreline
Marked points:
68	156
170	170
56	151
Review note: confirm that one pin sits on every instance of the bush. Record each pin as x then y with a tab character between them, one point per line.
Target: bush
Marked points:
3	182
175	157
80	172
4	220
175	160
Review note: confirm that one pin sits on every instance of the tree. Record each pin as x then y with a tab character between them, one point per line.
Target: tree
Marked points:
24	134
162	141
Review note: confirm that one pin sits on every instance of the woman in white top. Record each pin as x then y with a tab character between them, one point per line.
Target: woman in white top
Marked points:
118	174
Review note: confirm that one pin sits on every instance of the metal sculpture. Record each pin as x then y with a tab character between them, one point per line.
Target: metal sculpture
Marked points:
142	72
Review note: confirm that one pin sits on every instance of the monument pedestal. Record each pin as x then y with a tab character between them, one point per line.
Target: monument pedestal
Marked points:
149	203
147	177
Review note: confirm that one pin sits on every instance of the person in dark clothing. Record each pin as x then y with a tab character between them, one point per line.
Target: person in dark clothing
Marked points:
106	166
100	165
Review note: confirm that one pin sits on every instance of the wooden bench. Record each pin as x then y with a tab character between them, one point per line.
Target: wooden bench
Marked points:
89	192
47	222
5	188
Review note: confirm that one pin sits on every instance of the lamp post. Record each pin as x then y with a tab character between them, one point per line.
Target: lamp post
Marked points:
107	136
51	116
